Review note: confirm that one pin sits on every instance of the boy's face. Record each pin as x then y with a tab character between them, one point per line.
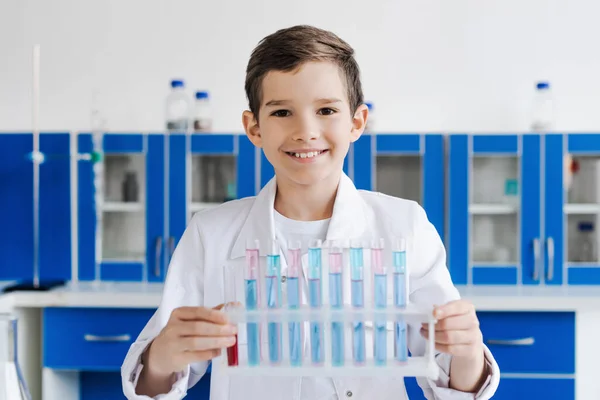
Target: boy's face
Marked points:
305	125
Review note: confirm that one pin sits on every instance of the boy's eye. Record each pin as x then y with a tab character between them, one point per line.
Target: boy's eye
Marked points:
280	113
327	111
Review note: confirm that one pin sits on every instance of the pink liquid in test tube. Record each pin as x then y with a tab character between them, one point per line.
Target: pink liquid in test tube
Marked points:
252	300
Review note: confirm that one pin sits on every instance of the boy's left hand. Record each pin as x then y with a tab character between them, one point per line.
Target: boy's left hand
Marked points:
457	330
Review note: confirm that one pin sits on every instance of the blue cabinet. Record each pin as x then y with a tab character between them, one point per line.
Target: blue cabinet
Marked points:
494	201
572	209
407	166
523	209
153	185
94	341
17	207
132	215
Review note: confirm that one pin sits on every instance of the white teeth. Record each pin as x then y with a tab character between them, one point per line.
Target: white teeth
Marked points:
307	155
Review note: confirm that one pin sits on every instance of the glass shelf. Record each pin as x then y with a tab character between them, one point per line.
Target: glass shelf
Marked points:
124	218
495	239
125	178
495	182
399	176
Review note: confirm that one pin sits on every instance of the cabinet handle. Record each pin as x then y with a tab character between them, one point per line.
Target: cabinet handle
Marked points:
536	259
157	253
115	338
514	342
550	249
171	247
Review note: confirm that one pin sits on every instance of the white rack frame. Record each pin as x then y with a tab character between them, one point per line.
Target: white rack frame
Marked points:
422	366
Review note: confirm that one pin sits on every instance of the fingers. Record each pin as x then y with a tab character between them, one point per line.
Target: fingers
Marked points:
459	350
203	328
195	356
465	321
457	307
199	313
454	337
204	343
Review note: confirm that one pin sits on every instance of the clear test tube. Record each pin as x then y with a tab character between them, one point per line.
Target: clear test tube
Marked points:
315	299
273	294
230	301
251	279
336	301
380	284
294	301
357	294
400	298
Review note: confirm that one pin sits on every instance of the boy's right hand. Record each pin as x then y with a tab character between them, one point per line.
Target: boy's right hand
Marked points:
192	334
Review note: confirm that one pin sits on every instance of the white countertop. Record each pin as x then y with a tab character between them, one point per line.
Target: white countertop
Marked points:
139	295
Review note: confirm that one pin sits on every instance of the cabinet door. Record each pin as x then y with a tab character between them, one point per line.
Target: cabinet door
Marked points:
405	166
494	181
132	214
221	169
572	208
17	207
511	388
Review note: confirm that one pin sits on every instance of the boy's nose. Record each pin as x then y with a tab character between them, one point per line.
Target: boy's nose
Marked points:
306	129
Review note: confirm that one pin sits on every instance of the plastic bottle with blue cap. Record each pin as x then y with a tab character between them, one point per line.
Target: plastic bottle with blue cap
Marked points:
177	108
202	112
542	115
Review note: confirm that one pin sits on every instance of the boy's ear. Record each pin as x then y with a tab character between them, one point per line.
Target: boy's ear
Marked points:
251	128
359	121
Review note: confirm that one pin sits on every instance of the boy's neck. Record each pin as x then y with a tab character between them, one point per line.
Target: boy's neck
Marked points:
306	202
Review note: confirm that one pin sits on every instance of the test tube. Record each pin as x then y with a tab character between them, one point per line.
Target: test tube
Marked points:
294	294
315	292
230	301
273	289
358	300
252	301
380	301
336	301
400	299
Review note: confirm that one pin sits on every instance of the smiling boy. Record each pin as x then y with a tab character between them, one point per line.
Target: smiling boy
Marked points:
306	108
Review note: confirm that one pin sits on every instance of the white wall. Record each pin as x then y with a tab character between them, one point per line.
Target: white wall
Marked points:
428	64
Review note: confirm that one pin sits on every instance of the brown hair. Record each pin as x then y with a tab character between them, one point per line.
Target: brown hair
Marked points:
287	49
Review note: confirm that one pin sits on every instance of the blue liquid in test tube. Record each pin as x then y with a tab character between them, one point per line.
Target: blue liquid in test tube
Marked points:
400	299
336	301
273	289
357	295
295	328
251	279
380	297
315	301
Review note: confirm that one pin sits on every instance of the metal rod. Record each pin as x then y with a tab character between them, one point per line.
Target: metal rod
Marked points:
36	162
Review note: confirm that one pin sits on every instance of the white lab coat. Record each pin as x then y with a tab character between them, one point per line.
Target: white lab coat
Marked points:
216	238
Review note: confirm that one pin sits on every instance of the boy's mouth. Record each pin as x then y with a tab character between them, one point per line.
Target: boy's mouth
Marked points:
306	154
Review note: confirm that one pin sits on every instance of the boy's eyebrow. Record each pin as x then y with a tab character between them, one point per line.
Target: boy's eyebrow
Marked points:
276	102
283	102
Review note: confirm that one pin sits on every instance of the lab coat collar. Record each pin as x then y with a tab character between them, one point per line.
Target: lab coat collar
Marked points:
348	220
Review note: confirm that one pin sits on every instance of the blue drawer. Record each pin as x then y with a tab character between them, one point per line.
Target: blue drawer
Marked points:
90	339
529	388
531	342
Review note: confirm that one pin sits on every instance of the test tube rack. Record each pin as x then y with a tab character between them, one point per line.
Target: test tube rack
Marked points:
421	366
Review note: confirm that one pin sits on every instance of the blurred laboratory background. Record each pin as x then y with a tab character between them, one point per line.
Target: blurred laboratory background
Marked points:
121	119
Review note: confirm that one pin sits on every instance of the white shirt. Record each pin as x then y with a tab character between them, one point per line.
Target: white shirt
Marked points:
217	238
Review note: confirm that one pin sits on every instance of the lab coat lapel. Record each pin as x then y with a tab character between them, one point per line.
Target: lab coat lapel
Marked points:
348	220
259	224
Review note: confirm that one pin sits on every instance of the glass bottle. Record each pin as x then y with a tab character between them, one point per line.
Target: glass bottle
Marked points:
12	383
